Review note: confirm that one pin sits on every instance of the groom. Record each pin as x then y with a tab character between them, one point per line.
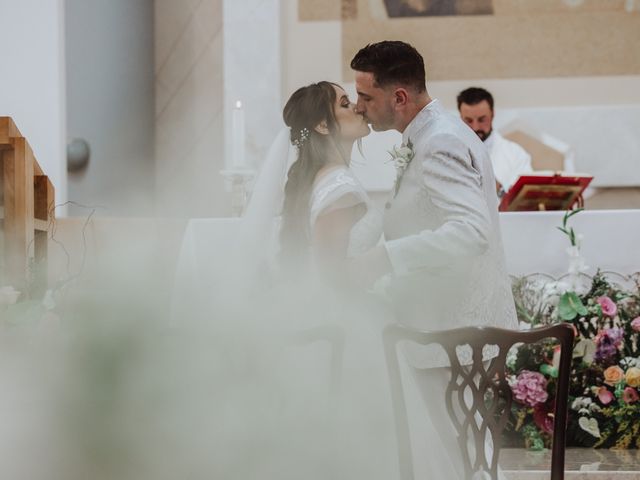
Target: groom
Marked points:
443	243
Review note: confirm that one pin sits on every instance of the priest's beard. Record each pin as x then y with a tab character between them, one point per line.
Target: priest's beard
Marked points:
483	135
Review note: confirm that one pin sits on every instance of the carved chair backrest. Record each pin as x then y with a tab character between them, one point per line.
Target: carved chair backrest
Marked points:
478	397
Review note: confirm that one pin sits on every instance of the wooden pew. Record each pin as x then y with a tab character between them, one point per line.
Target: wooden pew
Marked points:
26	210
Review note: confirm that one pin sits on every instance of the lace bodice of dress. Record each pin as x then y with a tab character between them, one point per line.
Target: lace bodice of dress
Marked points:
331	192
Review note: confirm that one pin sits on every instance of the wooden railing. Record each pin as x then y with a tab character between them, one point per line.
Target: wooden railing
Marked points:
26	209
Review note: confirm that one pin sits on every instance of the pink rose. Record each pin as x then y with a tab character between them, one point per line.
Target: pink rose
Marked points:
630	395
608	306
605	396
635	324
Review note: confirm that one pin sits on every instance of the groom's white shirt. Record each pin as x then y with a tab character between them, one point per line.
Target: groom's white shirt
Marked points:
442	231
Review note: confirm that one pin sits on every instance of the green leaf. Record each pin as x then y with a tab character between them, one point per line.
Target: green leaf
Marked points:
581	309
566	311
571	213
549	370
570	306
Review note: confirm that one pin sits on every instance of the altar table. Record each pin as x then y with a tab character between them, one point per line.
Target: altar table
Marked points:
532	243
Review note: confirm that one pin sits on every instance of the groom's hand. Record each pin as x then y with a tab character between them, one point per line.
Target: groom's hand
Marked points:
369	267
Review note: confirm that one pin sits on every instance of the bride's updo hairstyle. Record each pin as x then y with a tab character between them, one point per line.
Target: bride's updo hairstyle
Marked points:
308	107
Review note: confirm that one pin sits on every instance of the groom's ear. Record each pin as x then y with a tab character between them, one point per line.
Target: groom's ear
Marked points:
322	128
401	97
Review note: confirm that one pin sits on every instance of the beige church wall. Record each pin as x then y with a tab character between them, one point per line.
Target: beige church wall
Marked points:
509	43
323	29
311	49
189	108
546	38
316	23
212	55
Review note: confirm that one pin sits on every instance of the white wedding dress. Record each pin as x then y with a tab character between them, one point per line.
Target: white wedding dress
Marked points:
367	429
330	192
362	415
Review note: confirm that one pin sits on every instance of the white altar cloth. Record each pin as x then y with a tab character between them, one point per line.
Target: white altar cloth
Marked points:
532	244
201	265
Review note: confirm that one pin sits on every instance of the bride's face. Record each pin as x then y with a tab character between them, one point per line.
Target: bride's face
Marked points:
352	125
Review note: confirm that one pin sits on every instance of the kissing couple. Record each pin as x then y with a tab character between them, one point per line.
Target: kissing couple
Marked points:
437	239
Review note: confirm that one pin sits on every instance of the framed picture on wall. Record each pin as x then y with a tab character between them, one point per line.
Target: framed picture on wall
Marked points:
427	8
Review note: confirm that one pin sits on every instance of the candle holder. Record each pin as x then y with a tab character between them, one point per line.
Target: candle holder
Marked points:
238	181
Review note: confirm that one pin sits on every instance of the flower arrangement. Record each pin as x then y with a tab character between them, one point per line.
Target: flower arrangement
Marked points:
604	404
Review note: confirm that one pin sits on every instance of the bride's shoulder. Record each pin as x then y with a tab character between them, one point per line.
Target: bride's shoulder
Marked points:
331	173
334	182
334	176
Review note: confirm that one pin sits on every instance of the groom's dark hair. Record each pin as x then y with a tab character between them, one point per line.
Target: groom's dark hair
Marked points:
392	62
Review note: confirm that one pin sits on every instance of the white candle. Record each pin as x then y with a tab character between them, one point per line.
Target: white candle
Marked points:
238	137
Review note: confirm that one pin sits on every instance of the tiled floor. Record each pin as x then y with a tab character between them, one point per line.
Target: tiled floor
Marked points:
580	463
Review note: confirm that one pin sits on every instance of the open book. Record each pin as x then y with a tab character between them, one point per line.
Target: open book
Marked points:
545	190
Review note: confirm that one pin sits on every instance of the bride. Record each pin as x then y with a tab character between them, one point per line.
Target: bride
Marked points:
326	219
326	212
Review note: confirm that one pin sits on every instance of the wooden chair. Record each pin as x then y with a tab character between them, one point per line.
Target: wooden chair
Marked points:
26	209
479	378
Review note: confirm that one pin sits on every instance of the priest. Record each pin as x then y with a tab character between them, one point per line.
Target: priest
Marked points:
509	160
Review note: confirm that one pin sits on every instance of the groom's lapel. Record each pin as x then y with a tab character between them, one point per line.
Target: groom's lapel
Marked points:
412	134
400	174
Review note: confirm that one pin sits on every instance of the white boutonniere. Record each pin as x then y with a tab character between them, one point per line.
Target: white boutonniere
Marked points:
401	157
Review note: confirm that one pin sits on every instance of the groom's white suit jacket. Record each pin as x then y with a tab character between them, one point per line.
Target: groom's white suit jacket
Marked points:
442	231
